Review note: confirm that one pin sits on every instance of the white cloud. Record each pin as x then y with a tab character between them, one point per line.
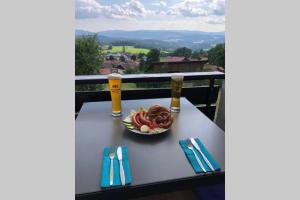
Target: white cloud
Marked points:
188	8
216	20
160	4
197	8
218	7
87	9
128	10
209	11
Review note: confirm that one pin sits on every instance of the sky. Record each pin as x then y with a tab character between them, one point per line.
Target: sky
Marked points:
199	15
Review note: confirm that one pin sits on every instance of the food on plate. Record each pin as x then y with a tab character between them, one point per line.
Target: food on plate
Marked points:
154	120
160	116
145	129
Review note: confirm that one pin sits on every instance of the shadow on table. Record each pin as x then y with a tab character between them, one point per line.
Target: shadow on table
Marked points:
146	139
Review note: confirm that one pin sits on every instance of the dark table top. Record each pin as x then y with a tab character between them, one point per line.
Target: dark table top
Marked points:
152	159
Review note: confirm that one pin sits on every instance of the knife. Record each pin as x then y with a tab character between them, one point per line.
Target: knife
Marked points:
202	154
119	155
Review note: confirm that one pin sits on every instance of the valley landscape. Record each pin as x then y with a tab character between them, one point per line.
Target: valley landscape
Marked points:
167	40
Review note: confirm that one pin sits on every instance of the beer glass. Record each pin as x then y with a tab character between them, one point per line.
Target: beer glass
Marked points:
176	85
115	82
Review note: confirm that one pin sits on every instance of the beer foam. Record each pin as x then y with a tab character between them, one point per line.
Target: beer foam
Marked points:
177	76
114	76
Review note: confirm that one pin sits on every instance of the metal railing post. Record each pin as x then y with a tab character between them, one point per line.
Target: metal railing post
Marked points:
210	92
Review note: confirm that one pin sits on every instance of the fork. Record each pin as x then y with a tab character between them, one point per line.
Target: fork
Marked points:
190	146
111	177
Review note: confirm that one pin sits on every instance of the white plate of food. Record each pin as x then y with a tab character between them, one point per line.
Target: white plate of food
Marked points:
152	121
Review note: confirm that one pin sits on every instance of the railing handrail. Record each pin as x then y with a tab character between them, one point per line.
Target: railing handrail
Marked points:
160	77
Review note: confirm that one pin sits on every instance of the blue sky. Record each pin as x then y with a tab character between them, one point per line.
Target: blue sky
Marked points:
100	15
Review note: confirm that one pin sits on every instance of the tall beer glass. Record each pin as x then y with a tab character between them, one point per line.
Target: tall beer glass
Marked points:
115	83
176	85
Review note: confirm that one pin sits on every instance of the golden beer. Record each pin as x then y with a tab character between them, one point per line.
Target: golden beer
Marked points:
176	85
115	83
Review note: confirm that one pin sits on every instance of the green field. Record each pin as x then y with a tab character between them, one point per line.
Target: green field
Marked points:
163	59
129	49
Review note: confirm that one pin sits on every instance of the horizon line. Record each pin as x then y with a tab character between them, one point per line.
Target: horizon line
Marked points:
151	30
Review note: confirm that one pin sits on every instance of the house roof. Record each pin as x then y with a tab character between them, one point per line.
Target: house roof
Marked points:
117	63
177	59
179	62
105	71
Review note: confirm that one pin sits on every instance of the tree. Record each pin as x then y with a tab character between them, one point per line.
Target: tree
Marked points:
109	47
87	58
141	55
123	49
202	52
195	54
199	54
142	66
183	51
130	70
152	56
216	55
122	43
133	57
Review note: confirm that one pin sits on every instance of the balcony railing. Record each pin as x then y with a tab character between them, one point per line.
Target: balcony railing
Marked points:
203	97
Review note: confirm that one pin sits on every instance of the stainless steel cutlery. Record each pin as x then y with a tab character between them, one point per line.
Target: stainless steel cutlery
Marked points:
111	173
122	174
195	144
190	146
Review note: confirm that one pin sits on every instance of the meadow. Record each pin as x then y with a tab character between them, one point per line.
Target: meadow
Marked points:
128	49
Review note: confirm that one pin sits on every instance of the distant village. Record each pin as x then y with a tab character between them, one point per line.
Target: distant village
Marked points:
120	62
